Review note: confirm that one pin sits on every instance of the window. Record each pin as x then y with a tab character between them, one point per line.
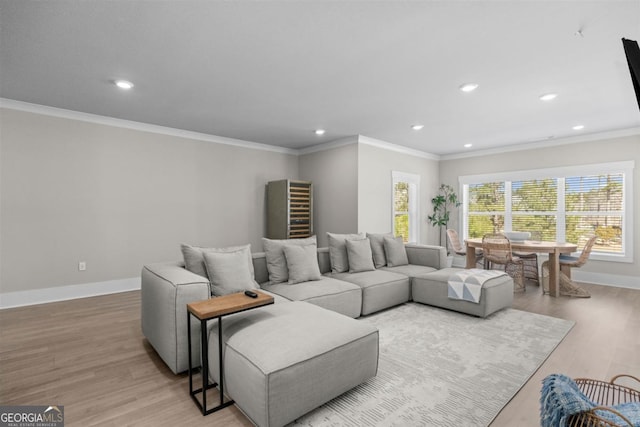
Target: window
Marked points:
562	204
405	205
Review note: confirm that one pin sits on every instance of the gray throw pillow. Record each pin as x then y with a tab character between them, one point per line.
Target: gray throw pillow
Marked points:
395	252
194	259
276	261
302	262
359	253
377	248
229	272
338	250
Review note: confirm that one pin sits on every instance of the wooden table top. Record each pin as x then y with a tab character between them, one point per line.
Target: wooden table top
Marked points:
227	304
532	245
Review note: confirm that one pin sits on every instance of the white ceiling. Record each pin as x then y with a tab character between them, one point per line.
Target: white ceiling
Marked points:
273	71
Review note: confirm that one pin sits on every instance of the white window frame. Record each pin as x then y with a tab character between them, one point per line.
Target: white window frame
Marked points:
414	202
625	168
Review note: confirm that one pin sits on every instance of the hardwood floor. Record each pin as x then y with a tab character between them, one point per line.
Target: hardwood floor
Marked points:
90	356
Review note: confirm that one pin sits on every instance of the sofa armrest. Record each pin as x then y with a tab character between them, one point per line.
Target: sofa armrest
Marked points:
427	255
166	289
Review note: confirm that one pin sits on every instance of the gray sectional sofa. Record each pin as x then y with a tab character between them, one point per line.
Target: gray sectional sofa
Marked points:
323	337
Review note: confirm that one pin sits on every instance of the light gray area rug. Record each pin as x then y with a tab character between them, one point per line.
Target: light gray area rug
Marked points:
442	368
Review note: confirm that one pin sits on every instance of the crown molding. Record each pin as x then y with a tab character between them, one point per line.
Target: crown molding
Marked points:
354	139
397	148
342	142
598	136
143	127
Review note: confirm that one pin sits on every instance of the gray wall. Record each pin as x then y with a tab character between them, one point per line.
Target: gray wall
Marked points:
334	174
610	150
374	188
119	198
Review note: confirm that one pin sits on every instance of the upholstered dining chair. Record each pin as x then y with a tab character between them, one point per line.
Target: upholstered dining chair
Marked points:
497	250
568	261
567	286
458	248
530	259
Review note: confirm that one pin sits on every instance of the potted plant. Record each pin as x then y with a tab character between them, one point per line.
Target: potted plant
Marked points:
443	202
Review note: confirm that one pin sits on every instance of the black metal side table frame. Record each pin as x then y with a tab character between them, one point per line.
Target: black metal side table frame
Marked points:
204	372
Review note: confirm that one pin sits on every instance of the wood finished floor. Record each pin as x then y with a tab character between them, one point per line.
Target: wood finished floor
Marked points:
90	356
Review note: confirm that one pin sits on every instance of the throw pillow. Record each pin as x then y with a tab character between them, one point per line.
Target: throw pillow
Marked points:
338	250
229	272
395	252
359	254
302	262
194	259
276	261
377	248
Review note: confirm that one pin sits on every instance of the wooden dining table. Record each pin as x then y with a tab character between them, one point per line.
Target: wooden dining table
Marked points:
554	249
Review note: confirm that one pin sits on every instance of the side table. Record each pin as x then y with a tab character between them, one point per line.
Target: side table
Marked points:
216	308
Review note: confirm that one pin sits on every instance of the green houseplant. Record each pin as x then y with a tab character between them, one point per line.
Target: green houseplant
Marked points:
443	202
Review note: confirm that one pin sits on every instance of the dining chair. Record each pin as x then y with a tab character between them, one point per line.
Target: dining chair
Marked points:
530	259
568	261
497	250
458	248
568	286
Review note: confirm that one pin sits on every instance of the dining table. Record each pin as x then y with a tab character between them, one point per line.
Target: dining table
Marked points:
554	249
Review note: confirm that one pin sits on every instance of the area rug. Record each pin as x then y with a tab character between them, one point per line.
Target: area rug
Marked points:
442	368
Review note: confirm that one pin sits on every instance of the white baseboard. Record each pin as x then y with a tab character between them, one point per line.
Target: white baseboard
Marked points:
62	293
617	280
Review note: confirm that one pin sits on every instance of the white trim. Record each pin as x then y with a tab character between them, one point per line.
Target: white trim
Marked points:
163	130
397	148
144	127
414	202
64	293
541	173
619	133
604	279
560	173
342	142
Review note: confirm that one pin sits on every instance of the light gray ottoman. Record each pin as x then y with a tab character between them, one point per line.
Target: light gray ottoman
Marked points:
283	360
431	288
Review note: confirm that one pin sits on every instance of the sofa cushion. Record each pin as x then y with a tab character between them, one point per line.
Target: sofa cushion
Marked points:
302	262
410	270
194	260
338	250
380	289
377	248
395	252
229	271
359	255
276	261
335	295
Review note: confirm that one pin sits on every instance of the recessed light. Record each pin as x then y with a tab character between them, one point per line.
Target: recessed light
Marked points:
123	84
548	96
578	127
468	145
320	131
468	87
417	127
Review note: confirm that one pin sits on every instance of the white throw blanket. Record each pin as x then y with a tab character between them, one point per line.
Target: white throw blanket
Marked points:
467	284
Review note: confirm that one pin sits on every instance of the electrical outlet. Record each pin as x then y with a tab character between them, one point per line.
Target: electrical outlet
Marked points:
82	266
